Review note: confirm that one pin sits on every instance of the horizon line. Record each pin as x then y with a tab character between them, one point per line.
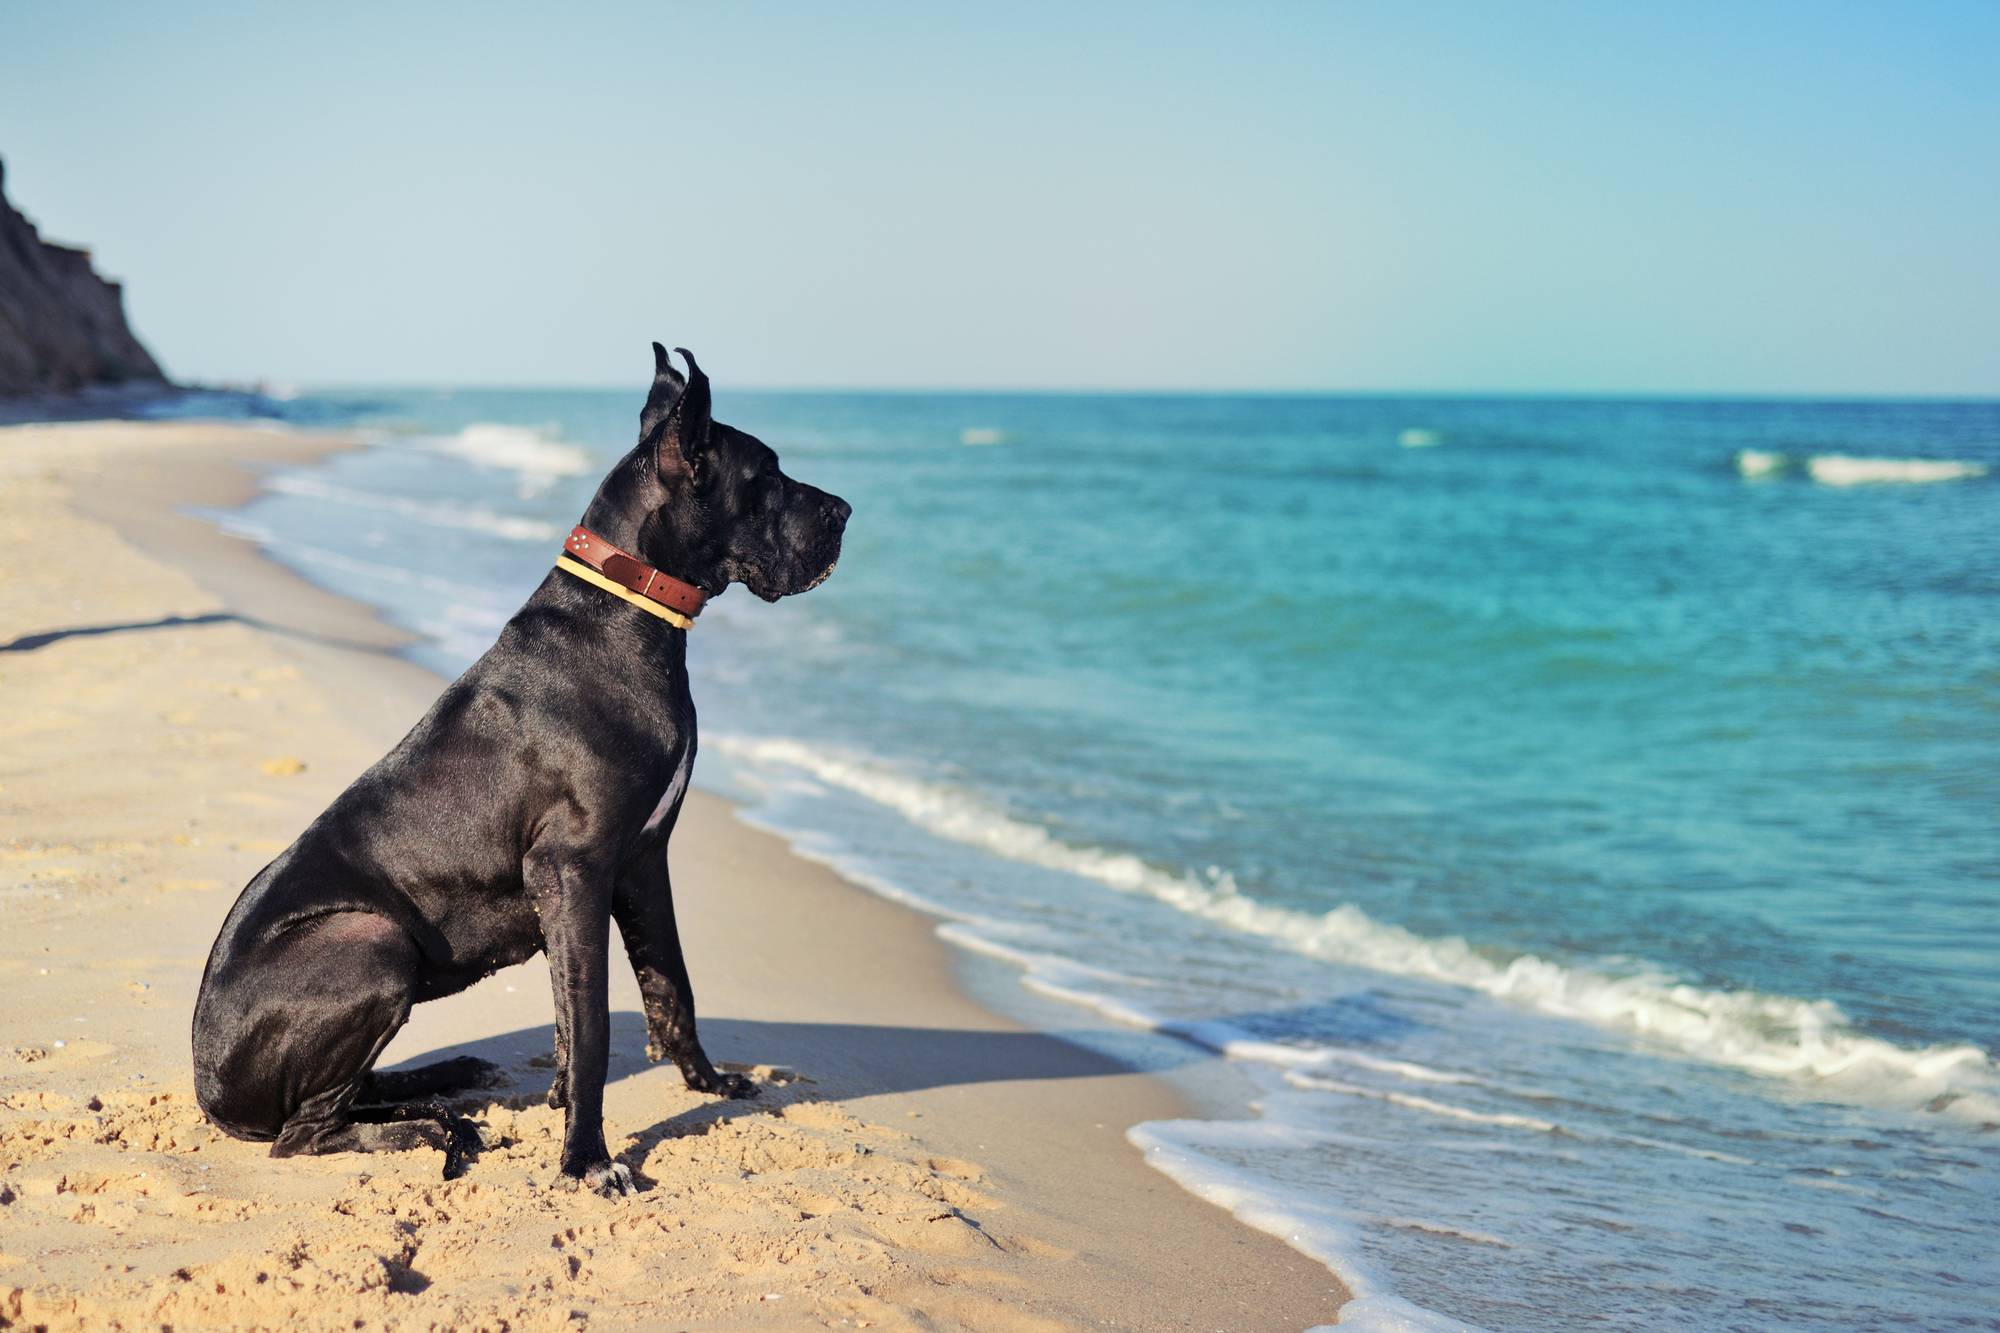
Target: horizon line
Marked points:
303	387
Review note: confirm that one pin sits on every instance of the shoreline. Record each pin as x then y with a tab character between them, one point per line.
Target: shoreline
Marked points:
847	1006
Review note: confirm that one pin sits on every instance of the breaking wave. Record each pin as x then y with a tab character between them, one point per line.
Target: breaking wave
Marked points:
532	454
1757	463
1842	470
1807	1042
431	513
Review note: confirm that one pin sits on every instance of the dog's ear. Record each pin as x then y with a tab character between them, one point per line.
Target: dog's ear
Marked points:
667	386
686	434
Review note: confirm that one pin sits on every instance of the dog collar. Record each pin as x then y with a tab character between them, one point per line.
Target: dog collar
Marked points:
599	563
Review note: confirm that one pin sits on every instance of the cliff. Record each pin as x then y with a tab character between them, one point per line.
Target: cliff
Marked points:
62	328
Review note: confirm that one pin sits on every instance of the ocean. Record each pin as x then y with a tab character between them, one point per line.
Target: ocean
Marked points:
1575	819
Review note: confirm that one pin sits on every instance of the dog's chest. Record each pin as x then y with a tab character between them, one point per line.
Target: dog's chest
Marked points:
674	789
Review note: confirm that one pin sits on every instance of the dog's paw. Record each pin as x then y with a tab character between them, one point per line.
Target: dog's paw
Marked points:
717	1083
613	1180
736	1087
462	1145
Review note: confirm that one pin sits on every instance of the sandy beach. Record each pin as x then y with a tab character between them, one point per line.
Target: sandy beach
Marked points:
175	709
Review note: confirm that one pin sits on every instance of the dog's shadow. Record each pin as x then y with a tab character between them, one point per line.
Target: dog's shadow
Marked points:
855	1059
838	1060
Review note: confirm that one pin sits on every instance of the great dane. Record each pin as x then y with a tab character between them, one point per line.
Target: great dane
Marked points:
526	812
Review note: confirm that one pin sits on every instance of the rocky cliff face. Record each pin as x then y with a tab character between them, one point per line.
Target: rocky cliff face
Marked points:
62	328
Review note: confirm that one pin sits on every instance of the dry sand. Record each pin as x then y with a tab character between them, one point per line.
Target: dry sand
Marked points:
915	1161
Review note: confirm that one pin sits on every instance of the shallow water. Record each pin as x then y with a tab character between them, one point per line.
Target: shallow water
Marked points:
1577	815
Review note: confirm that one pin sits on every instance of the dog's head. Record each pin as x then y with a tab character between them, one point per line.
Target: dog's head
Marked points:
706	503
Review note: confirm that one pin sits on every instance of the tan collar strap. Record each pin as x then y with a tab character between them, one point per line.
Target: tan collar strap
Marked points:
597	561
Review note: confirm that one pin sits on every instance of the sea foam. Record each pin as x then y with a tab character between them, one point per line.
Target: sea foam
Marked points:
532	454
1840	470
1807	1043
1174	1148
430	513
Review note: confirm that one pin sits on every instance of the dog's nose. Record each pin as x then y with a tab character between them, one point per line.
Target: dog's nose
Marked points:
838	509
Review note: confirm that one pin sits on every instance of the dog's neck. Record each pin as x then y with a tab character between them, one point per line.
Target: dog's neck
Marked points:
597	562
630	499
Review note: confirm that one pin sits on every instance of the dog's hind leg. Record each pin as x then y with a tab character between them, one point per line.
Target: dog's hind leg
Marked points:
285	1039
466	1073
332	1128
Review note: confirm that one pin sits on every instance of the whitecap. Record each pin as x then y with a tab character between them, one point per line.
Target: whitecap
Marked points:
1840	470
1757	463
535	457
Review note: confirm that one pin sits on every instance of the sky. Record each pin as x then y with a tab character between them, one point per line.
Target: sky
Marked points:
1743	198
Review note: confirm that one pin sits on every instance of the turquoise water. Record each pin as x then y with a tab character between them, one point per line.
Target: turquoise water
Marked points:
1576	815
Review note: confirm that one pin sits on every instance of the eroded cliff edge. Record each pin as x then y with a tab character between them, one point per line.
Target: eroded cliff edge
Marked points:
62	327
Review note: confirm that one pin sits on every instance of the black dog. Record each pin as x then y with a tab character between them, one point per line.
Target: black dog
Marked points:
528	810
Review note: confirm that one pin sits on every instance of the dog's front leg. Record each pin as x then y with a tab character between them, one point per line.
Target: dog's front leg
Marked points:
644	908
574	903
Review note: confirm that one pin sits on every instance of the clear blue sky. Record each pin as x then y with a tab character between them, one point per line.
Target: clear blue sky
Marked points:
1736	198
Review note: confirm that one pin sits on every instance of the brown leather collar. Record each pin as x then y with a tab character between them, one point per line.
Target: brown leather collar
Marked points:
589	548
